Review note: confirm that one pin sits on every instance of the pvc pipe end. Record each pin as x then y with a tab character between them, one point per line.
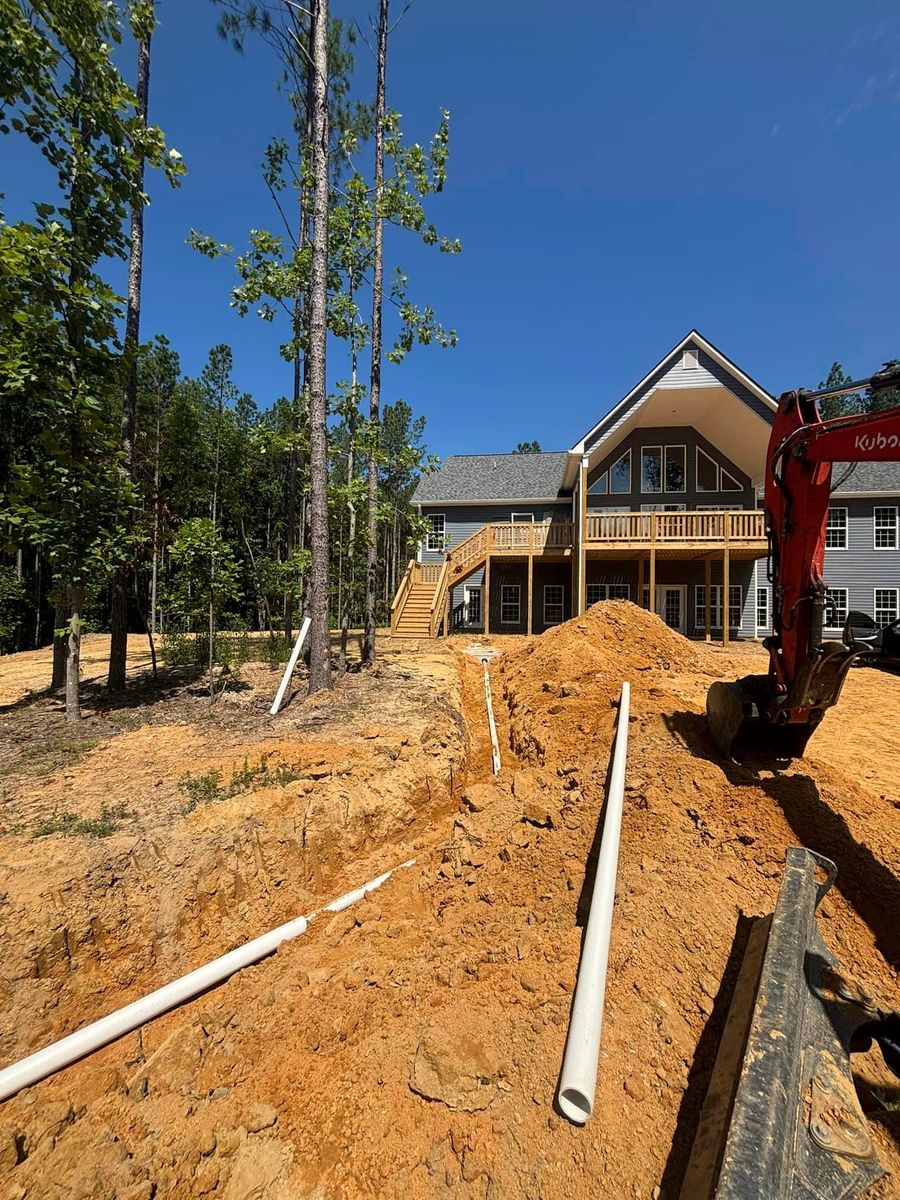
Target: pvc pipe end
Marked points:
575	1105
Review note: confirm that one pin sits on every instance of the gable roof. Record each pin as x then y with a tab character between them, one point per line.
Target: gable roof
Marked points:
752	390
471	478
866	477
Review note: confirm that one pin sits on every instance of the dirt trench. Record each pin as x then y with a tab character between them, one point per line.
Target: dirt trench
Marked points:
410	1047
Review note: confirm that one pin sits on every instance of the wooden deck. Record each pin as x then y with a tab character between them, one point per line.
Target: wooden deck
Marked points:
622	534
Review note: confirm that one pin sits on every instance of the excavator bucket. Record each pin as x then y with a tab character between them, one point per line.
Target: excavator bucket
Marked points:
736	713
781	1119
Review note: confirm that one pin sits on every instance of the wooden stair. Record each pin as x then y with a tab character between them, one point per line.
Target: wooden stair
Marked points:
414	619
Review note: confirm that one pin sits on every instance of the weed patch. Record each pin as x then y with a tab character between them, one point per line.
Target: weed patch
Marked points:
204	789
71	825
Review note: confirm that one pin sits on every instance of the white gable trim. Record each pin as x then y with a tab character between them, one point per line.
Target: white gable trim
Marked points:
714	354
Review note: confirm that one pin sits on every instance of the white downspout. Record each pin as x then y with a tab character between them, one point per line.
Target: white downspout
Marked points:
69	1049
578	1080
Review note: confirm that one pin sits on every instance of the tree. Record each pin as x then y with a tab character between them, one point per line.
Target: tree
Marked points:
839	406
888	398
320	640
528	448
68	495
143	19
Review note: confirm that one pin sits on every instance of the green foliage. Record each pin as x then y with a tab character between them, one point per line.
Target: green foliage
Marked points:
839	406
12	608
71	825
205	571
528	448
207	788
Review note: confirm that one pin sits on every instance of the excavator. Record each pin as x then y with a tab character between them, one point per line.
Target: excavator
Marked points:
778	712
782	1118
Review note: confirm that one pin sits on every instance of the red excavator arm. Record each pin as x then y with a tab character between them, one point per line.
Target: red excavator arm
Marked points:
805	673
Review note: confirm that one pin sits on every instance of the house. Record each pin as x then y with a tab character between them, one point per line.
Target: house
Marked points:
660	502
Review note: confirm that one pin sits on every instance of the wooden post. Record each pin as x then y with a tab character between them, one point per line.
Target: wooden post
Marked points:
652	605
707	565
725	571
449	610
530	592
487	594
640	581
582	534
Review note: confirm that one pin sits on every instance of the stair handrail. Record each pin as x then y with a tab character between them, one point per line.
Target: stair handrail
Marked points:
402	592
439	598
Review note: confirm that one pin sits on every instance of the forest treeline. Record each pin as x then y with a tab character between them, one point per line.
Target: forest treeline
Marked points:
140	500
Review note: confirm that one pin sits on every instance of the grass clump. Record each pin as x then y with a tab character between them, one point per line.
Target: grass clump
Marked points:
71	825
204	789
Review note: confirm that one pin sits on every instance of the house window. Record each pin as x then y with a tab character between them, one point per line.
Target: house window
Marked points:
887	605
676	457
600	485
472	609
435	538
763	620
620	475
553	603
663	507
729	483
836	605
886	528
510	604
836	529
707	472
735	602
690	360
608	591
651	469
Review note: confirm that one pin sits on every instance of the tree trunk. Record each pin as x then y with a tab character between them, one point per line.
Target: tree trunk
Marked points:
154	568
73	661
319	649
375	381
59	648
118	646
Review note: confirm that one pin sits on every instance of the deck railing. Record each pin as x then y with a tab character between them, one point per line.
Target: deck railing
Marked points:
512	537
673	527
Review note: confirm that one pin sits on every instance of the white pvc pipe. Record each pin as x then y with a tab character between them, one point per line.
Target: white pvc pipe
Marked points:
289	669
68	1049
578	1080
495	747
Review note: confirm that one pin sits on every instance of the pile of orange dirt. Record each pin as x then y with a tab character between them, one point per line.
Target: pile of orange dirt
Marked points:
410	1047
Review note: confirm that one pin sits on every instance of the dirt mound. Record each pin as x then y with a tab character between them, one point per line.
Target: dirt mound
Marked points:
410	1047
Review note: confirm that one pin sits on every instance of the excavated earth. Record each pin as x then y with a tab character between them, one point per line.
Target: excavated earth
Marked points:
411	1046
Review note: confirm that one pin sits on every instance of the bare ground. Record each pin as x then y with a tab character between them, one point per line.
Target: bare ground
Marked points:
411	1046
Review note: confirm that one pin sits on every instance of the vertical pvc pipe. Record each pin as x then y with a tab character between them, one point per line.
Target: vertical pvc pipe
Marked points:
289	669
489	704
578	1080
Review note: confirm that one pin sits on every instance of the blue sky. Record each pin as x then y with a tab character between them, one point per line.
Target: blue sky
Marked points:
619	173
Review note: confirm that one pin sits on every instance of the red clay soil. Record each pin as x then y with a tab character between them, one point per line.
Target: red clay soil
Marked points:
411	1046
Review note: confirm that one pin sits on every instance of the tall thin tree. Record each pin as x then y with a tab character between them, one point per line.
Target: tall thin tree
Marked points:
143	19
375	376
319	649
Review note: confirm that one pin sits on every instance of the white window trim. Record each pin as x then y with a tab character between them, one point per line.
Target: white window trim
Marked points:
517	587
896	511
604	590
698	450
561	605
468	589
605	492
845	606
896	605
652	491
674	491
716	589
436	549
722	488
524	518
627	455
664	506
846	527
766	591
721	507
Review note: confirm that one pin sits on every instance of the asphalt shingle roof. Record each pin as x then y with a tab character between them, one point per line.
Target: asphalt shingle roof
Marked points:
478	477
867	477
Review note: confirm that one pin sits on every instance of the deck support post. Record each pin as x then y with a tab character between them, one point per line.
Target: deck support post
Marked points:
487	594
652	605
530	592
640	582
582	534
707	572
726	633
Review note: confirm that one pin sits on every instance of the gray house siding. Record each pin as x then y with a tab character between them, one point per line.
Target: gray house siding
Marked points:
462	520
670	373
672	435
